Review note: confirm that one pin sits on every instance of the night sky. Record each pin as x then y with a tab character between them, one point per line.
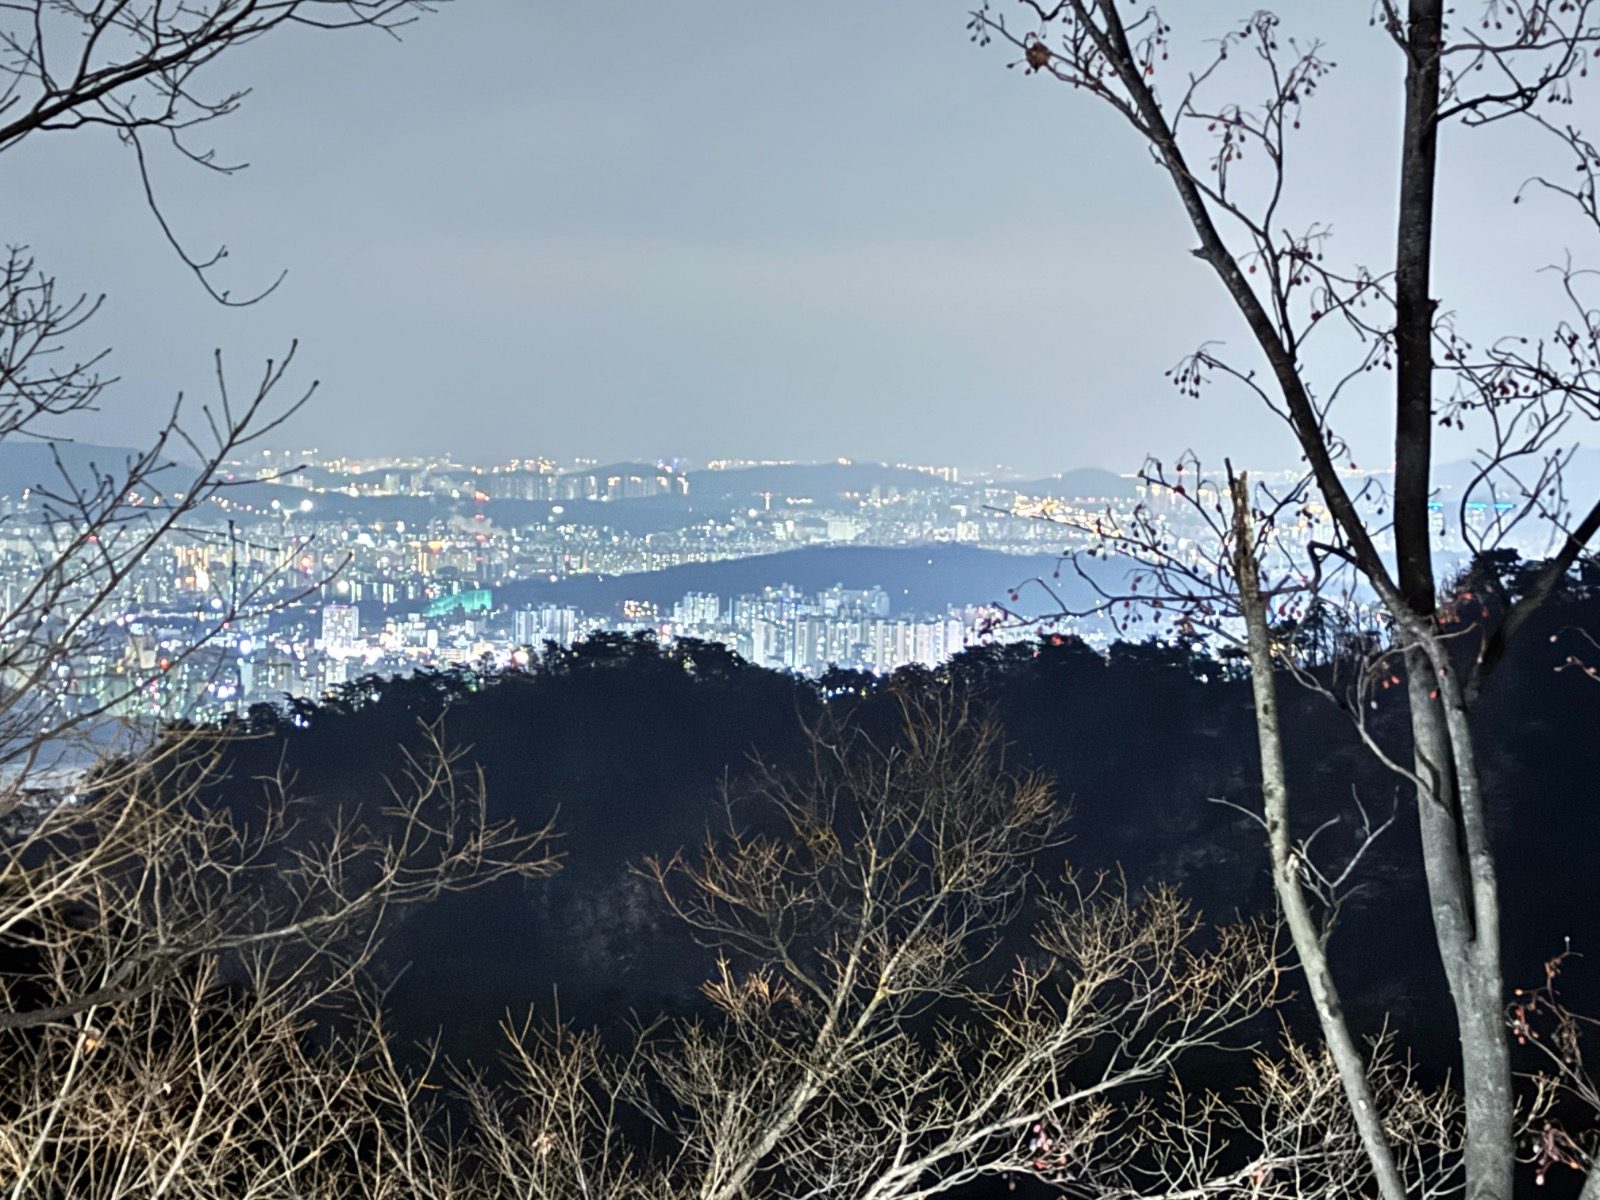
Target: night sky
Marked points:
704	230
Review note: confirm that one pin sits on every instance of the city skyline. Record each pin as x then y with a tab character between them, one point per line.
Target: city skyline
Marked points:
299	583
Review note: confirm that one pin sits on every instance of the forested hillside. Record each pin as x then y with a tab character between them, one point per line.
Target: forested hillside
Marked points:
625	744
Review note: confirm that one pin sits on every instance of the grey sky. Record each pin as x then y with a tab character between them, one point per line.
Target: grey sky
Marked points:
711	229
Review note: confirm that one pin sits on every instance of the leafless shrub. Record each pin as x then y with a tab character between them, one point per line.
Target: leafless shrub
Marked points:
170	972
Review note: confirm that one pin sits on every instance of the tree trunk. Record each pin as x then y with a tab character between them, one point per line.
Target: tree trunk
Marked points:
1308	942
1460	869
1463	893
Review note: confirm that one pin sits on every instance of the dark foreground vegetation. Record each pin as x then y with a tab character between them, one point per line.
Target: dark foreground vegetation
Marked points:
646	920
625	745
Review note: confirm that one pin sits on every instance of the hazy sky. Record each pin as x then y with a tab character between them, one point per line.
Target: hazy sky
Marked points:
714	229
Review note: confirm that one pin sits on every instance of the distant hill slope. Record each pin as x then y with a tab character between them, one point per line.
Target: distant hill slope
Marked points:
1084	483
29	464
819	481
616	468
917	578
650	514
1581	479
638	515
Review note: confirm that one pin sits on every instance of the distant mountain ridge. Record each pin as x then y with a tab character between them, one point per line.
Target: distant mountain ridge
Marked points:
1080	484
1581	478
617	468
918	578
818	481
29	464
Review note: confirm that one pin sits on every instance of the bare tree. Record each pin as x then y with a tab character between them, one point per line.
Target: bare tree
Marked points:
1512	61
153	75
1310	940
861	1045
142	70
866	1038
84	532
165	963
170	965
868	1035
1303	1137
1540	1019
560	1128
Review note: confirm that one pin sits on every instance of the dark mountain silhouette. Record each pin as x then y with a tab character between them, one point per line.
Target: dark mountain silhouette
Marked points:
627	743
918	578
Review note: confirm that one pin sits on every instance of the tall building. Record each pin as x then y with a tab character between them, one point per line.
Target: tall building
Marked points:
808	645
697	608
764	644
525	627
549	623
341	628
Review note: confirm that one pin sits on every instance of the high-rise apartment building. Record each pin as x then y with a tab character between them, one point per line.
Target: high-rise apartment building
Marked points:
341	628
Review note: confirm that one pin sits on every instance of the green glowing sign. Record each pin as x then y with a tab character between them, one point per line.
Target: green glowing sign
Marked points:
473	600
